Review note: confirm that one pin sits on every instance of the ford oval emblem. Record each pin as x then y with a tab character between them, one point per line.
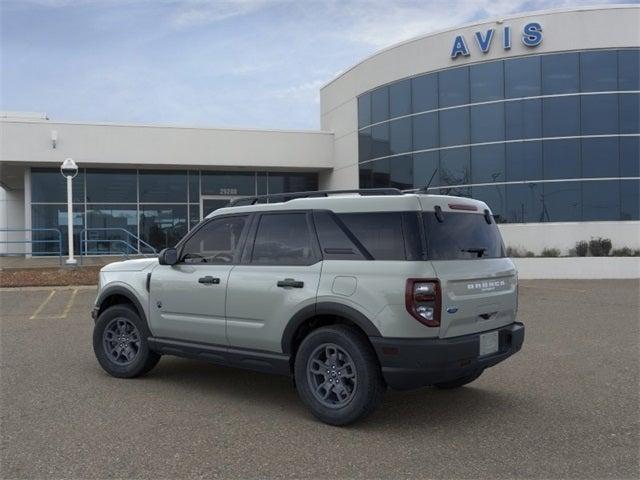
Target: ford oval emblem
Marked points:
452	309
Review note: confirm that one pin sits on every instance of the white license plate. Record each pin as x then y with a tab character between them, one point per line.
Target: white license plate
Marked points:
489	343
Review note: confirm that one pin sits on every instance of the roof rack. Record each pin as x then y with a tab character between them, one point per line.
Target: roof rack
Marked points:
285	197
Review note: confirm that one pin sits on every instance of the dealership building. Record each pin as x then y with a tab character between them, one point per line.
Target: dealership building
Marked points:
536	114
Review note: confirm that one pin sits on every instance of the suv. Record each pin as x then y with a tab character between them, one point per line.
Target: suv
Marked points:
347	292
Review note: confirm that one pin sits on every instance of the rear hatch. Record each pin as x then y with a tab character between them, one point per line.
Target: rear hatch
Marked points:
478	283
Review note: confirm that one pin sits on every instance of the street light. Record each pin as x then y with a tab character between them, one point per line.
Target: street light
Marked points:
69	169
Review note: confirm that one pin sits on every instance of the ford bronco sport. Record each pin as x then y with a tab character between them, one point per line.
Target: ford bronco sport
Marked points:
347	292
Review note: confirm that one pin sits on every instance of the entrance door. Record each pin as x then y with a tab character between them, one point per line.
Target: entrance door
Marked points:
210	203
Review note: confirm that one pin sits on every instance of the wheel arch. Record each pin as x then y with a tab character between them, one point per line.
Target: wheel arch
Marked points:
323	313
116	295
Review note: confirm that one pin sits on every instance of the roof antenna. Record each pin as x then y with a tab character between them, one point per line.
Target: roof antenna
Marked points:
426	188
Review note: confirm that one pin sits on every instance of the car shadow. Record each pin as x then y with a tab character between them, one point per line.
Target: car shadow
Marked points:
401	410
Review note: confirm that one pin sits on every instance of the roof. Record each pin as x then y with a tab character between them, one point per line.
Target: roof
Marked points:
355	203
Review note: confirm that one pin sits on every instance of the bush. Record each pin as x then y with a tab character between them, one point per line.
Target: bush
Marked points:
550	252
582	248
519	252
600	247
625	252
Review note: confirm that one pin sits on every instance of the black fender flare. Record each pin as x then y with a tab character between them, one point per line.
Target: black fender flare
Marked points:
326	308
125	292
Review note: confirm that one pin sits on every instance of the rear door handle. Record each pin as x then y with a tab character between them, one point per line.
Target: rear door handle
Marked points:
290	282
209	280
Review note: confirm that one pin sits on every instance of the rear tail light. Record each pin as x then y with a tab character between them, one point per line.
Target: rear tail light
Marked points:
422	298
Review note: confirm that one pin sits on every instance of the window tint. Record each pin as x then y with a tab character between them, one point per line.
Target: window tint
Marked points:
380	141
401	172
334	242
600	157
380	105
598	71
165	186
494	196
601	200
455	167
523	119
523	161
424	166
629	113
425	131
379	233
194	186
561	116
487	164
522	77
116	220
49	186
364	144
400	99
630	157
487	123
111	186
599	114
424	93
454	87
562	202
228	183
487	82
629	199
560	73
364	110
629	69
454	127
524	203
283	239
400	135
215	243
561	159
462	236
163	226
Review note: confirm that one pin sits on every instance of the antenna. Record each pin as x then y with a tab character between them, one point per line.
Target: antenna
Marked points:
426	188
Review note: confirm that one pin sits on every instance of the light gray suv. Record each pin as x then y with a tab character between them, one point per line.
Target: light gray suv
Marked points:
347	292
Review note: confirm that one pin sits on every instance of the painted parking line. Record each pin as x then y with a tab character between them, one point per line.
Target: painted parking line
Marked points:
65	311
42	305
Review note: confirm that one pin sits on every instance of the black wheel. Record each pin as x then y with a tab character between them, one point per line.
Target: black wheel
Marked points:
459	382
120	343
338	376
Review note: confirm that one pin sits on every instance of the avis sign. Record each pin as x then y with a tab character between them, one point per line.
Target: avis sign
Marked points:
531	37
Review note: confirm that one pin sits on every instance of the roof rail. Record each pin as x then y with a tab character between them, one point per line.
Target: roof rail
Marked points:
285	197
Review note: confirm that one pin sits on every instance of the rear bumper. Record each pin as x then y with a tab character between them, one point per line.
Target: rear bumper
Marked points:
412	363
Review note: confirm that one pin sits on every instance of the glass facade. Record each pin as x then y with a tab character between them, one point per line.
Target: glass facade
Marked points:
157	206
544	138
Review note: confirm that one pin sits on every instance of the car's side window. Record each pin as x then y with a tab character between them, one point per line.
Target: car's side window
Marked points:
283	239
379	232
214	243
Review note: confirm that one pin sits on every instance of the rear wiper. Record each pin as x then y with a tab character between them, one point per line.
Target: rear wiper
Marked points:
478	251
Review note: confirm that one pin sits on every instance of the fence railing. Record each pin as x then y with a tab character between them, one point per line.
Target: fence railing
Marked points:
131	244
31	241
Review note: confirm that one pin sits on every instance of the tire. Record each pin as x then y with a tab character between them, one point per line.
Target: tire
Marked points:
458	382
359	387
130	358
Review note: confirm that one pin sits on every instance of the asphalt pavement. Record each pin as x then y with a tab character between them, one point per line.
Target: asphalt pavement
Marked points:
566	406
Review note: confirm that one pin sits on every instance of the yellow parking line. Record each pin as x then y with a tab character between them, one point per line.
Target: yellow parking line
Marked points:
68	307
42	305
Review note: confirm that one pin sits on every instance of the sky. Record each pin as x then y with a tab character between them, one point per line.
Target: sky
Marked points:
219	63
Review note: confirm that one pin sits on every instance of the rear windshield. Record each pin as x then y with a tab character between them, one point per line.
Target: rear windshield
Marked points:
461	236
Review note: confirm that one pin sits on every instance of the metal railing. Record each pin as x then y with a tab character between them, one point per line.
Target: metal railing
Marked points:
31	241
131	243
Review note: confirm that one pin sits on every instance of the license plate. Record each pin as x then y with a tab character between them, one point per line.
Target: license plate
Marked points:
489	343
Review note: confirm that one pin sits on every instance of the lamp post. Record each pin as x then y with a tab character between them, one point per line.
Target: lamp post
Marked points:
69	169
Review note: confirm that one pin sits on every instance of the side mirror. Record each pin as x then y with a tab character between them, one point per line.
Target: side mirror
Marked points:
168	256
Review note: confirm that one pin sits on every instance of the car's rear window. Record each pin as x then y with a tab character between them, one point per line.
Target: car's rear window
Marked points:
461	236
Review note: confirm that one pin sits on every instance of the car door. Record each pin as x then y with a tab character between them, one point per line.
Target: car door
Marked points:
187	300
278	276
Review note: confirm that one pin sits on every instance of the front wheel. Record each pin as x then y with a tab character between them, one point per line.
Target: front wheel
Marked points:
120	343
338	376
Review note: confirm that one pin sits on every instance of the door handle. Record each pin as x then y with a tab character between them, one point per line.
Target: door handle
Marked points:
209	280
290	282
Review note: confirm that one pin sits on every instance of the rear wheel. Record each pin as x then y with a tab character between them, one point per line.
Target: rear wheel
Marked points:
120	343
459	382
338	376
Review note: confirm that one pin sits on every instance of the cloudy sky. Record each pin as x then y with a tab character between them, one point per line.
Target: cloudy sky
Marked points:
245	63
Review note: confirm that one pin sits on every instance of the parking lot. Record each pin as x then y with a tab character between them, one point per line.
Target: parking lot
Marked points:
566	406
